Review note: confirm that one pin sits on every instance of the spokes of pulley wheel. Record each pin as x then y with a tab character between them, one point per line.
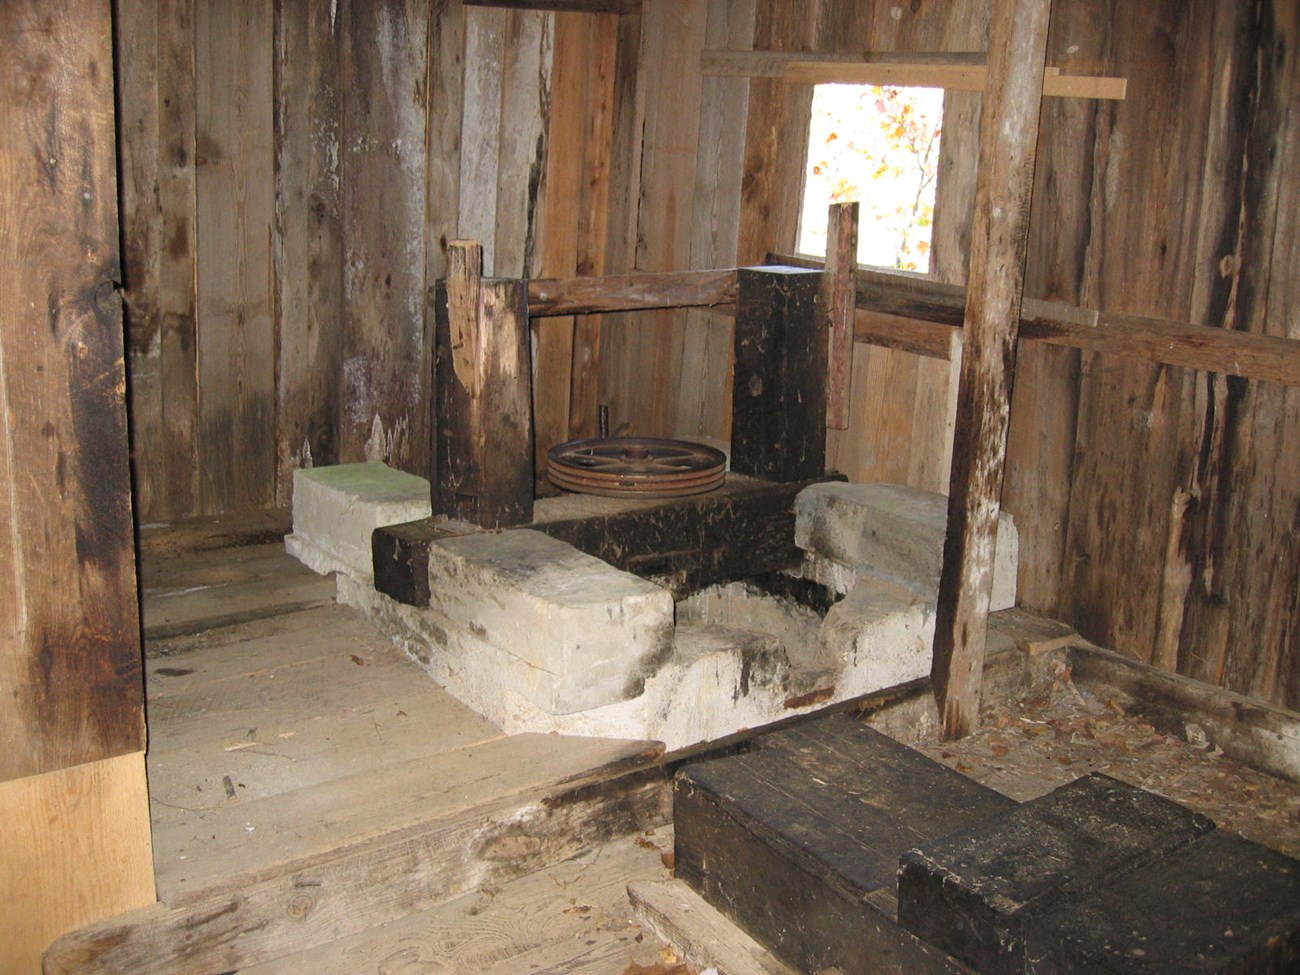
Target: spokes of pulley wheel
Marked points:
646	467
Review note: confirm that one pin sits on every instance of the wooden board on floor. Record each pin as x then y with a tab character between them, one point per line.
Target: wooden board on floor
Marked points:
377	880
224	587
573	917
217	852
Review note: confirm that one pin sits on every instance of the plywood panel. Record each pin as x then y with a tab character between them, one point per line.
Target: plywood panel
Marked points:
75	849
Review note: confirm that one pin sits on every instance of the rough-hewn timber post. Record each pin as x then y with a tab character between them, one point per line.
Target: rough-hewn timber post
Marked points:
1008	135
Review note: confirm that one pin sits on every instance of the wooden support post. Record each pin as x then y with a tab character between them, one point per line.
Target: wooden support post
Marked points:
778	425
841	304
1008	135
484	466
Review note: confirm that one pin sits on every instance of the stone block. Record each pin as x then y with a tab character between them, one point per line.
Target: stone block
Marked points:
590	633
879	635
895	532
335	510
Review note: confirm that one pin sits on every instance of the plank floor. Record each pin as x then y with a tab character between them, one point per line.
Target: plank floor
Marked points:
282	725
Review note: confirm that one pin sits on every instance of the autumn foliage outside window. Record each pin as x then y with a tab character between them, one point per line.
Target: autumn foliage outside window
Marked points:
878	145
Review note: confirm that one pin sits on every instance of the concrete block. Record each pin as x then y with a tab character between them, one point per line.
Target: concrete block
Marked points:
895	532
590	633
335	510
879	635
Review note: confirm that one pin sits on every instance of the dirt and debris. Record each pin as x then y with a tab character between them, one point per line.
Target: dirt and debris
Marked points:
1058	732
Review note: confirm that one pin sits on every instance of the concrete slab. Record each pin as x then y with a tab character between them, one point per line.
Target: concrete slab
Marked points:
595	632
895	532
335	510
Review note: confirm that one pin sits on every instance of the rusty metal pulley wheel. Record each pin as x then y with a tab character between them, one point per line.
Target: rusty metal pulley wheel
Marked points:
640	467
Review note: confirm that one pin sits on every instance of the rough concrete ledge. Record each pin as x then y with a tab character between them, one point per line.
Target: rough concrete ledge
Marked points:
597	631
336	509
894	532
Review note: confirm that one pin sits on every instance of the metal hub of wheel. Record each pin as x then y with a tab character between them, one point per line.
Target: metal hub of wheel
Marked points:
641	467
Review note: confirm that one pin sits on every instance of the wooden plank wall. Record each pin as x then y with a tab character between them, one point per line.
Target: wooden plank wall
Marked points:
75	843
1158	506
291	174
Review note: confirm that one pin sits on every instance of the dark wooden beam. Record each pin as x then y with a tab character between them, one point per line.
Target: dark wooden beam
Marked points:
778	412
743	529
483	469
1008	137
631	292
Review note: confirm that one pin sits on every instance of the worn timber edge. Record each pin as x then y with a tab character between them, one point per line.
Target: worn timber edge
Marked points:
231	530
701	934
382	879
744	528
1264	737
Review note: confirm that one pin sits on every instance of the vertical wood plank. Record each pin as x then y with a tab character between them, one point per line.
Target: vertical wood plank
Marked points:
561	215
1044	408
704	394
594	226
137	117
308	241
484	441
1135	444
485	39
525	103
1008	136
235	192
841	305
385	355
178	260
672	40
69	626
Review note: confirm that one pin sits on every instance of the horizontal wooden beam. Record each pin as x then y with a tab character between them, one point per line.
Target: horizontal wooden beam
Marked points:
631	292
773	64
908	308
958	71
580	6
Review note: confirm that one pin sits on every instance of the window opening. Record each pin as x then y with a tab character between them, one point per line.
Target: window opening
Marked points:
878	144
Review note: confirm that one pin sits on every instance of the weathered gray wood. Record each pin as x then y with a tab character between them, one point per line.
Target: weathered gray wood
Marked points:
840	302
997	265
381	879
631	292
700	933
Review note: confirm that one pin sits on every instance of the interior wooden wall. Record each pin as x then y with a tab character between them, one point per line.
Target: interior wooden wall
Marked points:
74	846
284	222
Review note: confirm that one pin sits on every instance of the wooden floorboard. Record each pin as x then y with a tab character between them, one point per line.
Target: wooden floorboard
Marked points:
574	917
196	591
309	782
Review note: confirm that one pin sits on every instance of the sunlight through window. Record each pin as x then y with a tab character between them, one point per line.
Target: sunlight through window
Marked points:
878	145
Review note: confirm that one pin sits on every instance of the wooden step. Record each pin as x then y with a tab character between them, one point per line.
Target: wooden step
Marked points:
347	855
572	918
1100	876
798	840
976	892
